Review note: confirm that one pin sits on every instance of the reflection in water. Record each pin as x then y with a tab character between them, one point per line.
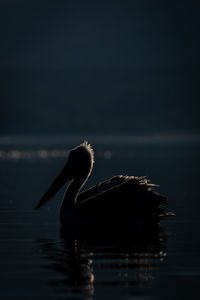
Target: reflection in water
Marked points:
68	259
87	264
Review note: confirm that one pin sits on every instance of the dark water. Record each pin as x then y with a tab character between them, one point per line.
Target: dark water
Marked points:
39	261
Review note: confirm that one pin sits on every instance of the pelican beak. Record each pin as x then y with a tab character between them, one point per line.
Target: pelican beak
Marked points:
62	178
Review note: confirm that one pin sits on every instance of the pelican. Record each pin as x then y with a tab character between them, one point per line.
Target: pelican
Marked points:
118	200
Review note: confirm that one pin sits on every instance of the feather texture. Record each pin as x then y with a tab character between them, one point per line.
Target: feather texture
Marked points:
123	197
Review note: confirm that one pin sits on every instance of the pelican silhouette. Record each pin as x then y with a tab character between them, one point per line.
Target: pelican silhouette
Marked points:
118	200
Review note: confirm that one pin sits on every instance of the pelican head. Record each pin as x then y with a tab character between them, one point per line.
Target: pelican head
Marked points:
80	161
78	167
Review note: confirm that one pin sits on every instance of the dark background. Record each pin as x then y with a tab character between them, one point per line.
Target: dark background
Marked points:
125	76
72	67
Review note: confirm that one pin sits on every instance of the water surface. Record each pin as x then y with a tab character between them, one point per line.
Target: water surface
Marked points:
39	260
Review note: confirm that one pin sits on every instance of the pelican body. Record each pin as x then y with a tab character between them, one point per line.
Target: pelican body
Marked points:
118	200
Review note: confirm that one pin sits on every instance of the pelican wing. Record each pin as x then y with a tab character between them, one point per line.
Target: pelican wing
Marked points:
102	187
121	197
